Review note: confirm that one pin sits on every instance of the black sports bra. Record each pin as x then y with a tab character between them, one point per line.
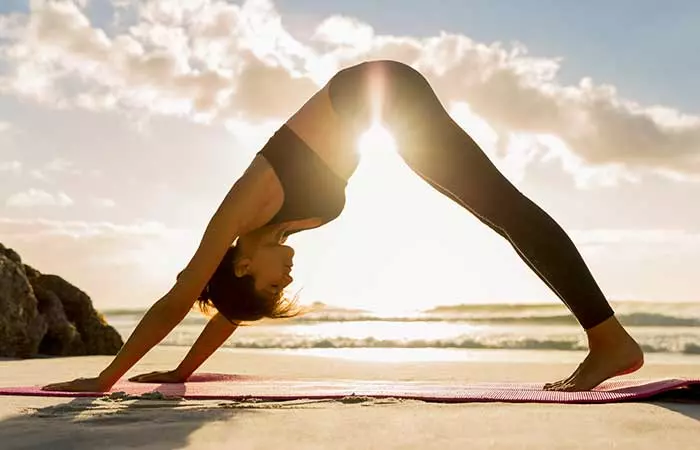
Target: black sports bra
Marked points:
311	188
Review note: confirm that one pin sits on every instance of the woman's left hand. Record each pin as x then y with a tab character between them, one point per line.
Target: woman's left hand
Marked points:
78	385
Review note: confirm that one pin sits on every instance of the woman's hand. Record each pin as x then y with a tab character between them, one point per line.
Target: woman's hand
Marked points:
167	376
79	385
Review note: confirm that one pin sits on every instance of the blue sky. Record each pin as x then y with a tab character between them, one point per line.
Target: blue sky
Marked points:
649	49
123	124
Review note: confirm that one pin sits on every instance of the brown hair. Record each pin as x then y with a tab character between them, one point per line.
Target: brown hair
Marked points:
236	298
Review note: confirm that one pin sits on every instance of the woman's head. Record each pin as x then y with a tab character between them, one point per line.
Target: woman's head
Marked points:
249	282
266	260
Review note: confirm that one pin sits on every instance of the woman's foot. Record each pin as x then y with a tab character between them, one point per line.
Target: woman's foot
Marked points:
613	352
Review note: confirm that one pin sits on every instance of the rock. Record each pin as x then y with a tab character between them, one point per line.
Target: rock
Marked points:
97	336
62	337
45	314
9	253
31	272
21	326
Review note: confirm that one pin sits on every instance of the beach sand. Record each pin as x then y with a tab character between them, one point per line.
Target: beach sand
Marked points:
91	423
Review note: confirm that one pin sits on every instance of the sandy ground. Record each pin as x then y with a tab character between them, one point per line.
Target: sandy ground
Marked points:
90	423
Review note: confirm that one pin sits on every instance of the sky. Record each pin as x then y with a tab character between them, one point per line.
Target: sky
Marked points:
123	124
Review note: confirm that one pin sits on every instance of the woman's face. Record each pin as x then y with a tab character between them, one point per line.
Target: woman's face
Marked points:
270	264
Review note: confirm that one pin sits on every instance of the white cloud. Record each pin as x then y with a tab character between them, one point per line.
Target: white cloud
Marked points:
62	165
55	166
37	197
119	265
344	31
35	229
672	237
81	3
38	175
211	60
103	202
11	25
155	65
10	166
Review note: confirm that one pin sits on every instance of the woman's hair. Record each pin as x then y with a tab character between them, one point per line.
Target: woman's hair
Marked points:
236	298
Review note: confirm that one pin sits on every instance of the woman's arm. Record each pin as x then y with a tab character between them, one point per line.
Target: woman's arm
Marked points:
214	334
160	319
238	211
245	207
174	306
167	312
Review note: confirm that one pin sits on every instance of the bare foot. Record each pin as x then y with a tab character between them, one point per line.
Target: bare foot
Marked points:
612	352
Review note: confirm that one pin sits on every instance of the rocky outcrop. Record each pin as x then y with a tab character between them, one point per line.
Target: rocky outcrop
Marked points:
45	314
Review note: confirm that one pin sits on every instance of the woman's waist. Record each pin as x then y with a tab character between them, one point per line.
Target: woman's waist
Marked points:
341	158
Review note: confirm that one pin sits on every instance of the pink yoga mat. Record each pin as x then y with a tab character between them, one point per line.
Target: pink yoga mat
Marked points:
213	386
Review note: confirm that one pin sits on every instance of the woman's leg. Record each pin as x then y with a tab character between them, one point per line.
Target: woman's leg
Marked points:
439	151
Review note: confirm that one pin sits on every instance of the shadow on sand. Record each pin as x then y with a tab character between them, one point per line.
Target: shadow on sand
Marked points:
118	421
92	423
683	401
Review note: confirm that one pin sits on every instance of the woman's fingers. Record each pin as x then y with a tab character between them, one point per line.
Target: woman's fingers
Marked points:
154	377
142	376
63	386
77	385
147	378
166	376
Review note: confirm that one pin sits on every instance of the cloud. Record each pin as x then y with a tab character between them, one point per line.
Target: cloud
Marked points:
38	175
281	97
81	3
516	93
674	238
103	202
216	61
38	229
11	25
118	265
60	165
344	31
53	167
37	197
10	166
180	59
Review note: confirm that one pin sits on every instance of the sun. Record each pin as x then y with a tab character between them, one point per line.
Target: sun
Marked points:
376	139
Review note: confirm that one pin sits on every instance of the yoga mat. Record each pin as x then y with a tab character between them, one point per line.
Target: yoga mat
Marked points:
213	386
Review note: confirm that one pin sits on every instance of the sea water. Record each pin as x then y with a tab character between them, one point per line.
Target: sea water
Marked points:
666	331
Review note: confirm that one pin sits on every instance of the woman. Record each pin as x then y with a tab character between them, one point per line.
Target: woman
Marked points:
297	182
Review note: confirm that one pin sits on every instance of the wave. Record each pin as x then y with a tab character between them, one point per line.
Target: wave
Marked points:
627	305
637	314
663	346
634	319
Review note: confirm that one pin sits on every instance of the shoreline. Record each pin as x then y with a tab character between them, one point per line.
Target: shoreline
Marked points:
70	423
399	355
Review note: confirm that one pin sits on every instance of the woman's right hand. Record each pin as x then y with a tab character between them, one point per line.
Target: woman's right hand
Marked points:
79	385
167	376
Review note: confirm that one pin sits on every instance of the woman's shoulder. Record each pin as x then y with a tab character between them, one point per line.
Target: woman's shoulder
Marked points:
260	192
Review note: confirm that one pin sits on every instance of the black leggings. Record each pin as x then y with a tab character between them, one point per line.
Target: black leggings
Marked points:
441	153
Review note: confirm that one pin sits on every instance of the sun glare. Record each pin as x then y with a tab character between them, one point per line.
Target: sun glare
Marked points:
377	138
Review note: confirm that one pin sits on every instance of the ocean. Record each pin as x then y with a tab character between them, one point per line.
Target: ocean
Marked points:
668	330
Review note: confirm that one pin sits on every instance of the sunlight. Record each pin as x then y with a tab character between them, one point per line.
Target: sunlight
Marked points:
376	138
398	239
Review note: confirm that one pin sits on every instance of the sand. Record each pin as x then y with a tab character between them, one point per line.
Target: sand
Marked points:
90	423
